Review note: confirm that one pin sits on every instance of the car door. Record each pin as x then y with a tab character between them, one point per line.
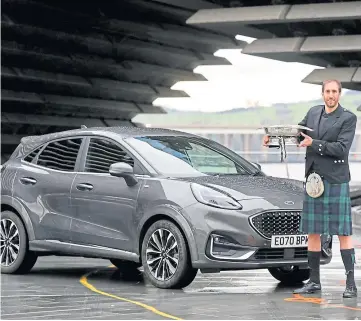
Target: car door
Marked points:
43	183
104	205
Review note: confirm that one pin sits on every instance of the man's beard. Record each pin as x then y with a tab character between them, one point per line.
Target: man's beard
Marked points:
331	104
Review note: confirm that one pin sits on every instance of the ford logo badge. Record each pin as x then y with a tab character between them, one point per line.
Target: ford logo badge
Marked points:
289	203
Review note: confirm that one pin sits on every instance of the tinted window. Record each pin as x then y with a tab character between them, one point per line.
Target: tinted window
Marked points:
177	155
60	155
102	153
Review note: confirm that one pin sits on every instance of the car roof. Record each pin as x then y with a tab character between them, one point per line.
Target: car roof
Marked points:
30	142
123	131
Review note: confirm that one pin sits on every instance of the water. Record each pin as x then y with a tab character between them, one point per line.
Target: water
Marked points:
296	170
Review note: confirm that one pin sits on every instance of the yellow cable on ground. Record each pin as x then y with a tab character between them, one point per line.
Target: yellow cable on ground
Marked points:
84	281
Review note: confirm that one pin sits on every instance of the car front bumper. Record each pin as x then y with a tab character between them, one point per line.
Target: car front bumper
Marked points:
237	240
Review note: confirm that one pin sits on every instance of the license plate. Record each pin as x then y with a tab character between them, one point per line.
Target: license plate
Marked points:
289	241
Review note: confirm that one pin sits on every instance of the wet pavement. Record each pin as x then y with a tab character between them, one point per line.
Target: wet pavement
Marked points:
79	288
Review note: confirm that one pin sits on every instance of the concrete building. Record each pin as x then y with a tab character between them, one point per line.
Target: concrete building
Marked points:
95	63
100	63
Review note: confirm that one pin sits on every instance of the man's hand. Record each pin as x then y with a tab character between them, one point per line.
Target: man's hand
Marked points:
307	141
265	140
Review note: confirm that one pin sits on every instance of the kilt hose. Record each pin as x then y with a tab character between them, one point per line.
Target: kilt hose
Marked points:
328	214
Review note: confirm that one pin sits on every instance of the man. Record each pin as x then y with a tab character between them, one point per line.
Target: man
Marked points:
327	153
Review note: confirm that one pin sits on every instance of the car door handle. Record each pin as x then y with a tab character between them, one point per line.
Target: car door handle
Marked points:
84	187
28	180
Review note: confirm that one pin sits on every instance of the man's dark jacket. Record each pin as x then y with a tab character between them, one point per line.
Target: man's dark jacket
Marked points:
330	149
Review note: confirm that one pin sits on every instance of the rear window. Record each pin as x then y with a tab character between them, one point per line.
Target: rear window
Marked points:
60	155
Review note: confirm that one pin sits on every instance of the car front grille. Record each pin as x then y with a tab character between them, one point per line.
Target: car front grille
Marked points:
277	223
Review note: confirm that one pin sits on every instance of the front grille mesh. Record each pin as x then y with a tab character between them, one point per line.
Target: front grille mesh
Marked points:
279	254
277	223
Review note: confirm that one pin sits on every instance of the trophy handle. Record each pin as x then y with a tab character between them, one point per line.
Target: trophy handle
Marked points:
283	149
282	135
284	154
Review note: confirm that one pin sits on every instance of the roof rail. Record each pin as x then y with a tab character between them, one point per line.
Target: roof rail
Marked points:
26	139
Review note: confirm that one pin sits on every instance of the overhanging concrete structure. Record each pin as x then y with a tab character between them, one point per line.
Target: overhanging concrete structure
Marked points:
349	76
95	63
99	63
326	34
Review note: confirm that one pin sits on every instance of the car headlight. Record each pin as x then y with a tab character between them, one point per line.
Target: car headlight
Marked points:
211	197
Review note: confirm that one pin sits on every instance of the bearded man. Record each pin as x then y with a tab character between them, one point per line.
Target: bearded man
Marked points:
327	210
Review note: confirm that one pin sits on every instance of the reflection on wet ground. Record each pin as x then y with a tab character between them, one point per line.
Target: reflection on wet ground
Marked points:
78	288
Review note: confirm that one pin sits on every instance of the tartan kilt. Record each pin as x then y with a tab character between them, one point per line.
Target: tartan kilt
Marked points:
328	214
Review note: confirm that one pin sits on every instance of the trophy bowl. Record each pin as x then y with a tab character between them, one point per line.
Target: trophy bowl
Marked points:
287	134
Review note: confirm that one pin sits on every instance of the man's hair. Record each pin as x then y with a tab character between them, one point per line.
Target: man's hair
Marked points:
325	82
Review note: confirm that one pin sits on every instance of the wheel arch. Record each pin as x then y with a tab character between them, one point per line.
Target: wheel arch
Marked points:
10	204
176	219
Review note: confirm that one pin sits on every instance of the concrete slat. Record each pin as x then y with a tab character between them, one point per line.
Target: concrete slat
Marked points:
46	120
345	43
258	15
325	11
351	43
245	15
345	75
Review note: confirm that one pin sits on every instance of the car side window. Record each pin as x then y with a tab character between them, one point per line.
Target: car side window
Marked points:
61	154
102	153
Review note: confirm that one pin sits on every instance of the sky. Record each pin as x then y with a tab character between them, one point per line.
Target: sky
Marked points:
249	81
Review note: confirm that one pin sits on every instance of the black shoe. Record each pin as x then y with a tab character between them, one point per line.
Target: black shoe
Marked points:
350	291
309	287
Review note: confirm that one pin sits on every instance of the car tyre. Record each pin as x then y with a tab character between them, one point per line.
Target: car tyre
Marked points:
166	258
290	276
16	242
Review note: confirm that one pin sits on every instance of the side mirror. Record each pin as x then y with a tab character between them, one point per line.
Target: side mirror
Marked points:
123	170
258	166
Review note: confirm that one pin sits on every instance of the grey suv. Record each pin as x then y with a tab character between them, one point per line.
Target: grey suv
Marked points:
169	201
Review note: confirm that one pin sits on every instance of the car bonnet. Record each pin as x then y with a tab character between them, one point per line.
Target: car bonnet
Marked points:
242	187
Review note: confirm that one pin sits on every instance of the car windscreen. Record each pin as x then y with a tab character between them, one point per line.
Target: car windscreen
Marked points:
184	155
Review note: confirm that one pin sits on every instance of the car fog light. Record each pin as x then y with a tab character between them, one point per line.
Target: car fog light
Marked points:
221	247
222	240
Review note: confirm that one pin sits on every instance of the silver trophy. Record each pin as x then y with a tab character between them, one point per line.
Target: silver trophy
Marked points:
282	135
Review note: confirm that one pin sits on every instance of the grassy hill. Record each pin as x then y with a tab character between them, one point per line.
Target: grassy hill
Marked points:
277	114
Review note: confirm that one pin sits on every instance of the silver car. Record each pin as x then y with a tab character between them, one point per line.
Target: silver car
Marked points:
169	201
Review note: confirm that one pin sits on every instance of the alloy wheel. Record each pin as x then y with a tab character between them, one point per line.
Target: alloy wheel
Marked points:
162	254
9	242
